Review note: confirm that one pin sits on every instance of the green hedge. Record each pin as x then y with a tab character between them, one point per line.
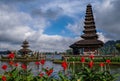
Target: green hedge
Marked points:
113	59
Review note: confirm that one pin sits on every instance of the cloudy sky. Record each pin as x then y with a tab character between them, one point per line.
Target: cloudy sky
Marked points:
53	25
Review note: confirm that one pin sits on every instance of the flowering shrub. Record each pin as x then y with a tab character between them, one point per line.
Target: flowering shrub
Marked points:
4	67
108	61
92	56
64	65
91	64
82	59
11	55
20	72
42	61
102	64
92	73
3	78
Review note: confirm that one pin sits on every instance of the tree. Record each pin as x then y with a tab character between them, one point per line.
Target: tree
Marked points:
118	46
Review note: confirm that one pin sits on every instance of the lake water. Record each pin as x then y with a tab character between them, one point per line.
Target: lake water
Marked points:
56	67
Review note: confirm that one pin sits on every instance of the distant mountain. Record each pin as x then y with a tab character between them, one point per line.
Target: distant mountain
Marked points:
109	47
111	43
4	52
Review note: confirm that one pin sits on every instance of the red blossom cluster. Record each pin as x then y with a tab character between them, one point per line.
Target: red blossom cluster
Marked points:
4	67
16	64
37	63
82	59
41	62
24	66
11	63
92	56
41	74
49	72
108	61
4	78
90	64
102	64
64	65
11	55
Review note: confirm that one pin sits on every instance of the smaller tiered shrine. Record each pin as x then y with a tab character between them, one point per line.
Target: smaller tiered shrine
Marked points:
25	49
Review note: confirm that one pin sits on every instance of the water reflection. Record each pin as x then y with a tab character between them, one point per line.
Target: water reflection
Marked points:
116	70
49	64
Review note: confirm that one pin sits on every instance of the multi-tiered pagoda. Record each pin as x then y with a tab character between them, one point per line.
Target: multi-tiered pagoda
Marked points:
25	49
90	40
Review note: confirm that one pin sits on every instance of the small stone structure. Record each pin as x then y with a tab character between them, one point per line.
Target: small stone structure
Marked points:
25	49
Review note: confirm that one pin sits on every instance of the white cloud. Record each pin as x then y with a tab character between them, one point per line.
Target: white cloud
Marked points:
107	20
102	37
51	43
63	7
13	25
76	28
17	26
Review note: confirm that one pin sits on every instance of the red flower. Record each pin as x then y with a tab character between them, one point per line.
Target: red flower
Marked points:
16	64
102	64
24	66
64	65
42	62
91	56
108	61
11	63
37	63
4	67
41	74
49	72
11	55
91	64
3	78
82	59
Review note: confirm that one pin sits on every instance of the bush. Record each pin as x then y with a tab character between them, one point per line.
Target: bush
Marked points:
85	73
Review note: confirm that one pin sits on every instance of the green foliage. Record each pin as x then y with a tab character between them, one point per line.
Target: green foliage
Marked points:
109	47
99	59
84	74
94	75
118	47
75	73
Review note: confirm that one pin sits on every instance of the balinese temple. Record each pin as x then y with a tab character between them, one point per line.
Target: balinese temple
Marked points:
25	49
90	40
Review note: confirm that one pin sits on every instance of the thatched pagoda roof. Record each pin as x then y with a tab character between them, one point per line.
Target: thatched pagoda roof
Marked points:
25	46
87	43
90	38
